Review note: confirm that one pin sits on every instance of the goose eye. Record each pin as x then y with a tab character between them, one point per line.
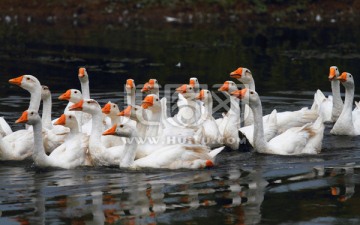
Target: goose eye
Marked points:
190	88
136	109
208	92
349	75
113	106
251	92
70	117
32	113
88	102
121	126
336	69
28	78
157	99
75	92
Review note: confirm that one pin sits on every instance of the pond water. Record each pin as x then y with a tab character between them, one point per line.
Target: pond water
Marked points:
288	64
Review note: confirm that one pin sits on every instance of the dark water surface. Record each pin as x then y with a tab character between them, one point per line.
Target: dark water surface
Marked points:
244	188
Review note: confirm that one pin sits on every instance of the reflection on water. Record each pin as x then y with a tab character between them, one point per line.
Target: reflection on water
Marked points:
245	188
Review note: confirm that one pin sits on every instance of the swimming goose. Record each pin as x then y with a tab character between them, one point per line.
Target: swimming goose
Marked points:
345	123
211	132
111	110
285	120
296	140
101	155
70	157
330	108
171	157
244	75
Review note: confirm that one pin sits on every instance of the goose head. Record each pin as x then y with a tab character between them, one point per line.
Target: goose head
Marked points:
110	109
45	92
134	112
243	75
334	73
83	75
30	117
151	102
346	79
246	95
27	82
87	105
67	120
204	95
130	86
228	87
71	95
186	90
151	87
122	130
195	84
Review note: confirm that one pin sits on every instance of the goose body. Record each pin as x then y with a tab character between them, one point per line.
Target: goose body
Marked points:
64	157
170	157
347	124
306	139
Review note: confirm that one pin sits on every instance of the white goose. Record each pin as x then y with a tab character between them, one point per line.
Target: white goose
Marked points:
297	140
72	96
227	88
345	123
52	139
130	92
17	146
188	115
330	108
170	157
111	110
137	116
151	87
101	155
71	156
285	120
85	90
244	75
210	130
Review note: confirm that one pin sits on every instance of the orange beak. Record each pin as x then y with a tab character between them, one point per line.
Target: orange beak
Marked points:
110	131
81	72
61	120
130	83
77	106
66	95
192	83
239	93
342	77
146	87
332	73
181	89
237	73
126	112
23	118
201	95
106	108
209	164
16	81
147	102
224	87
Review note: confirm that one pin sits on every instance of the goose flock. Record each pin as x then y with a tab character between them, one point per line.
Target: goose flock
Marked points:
145	136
